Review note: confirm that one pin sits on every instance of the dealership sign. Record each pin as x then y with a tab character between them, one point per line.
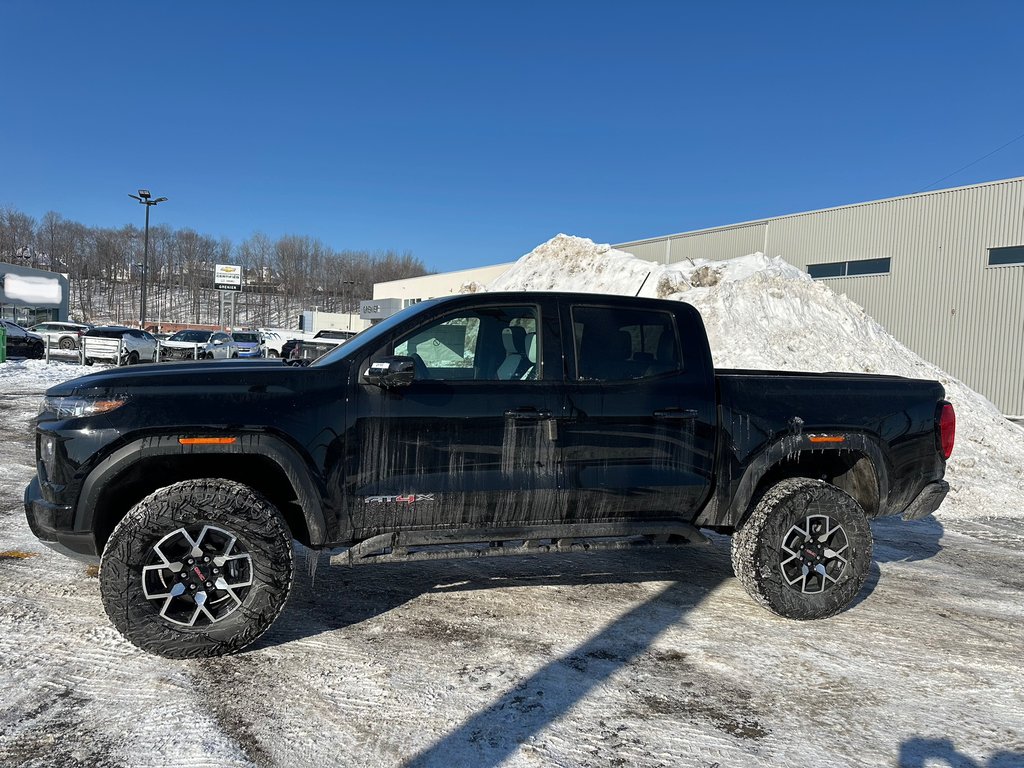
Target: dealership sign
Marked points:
378	309
227	277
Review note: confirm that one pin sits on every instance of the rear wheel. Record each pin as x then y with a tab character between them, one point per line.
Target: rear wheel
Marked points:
805	551
199	568
133	358
272	353
67	343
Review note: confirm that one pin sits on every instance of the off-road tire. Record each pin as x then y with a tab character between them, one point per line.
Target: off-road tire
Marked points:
758	552
193	505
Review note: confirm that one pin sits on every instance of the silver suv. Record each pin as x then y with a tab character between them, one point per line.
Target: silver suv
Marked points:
66	336
136	346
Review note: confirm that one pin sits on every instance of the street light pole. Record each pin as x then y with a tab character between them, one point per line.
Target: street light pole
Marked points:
344	299
144	198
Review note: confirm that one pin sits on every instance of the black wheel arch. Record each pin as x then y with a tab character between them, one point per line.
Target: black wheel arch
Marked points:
263	462
857	465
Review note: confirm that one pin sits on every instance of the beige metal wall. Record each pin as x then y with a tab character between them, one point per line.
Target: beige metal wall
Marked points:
730	242
432	286
940	297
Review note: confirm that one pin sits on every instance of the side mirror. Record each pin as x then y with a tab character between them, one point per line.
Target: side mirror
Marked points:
391	372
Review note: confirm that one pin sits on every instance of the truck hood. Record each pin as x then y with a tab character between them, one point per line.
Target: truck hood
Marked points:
204	377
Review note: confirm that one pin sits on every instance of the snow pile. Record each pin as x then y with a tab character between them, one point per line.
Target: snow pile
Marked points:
36	376
763	313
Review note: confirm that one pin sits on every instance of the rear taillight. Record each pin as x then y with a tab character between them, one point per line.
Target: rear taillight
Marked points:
947	429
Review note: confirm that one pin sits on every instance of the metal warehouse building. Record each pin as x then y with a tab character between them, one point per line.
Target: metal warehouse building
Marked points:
943	271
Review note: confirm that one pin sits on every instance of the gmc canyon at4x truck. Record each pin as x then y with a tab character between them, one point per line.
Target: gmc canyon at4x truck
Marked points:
486	424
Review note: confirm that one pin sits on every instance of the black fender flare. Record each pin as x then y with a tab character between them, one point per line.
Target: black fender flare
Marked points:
734	511
269	446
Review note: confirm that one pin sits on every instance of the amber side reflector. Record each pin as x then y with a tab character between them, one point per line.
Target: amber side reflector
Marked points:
207	440
827	439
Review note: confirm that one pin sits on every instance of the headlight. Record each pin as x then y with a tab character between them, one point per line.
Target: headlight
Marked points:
76	407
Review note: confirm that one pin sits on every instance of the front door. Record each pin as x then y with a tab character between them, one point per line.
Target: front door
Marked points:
470	443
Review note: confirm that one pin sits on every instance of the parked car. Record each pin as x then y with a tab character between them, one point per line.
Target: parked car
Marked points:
137	347
64	336
21	342
469	426
273	341
306	351
205	345
250	343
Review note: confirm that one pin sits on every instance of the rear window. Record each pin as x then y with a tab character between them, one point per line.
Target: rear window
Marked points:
617	344
107	333
246	338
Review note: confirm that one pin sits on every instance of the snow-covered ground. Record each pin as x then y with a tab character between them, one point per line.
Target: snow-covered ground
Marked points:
608	659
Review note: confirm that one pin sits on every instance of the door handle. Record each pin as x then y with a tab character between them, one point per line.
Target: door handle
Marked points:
676	414
527	414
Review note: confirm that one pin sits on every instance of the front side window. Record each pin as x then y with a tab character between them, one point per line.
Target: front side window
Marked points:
622	344
481	344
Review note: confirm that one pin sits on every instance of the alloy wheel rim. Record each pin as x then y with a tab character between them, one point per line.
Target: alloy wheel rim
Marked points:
195	578
813	554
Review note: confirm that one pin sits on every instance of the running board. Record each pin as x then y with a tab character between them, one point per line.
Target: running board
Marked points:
405	546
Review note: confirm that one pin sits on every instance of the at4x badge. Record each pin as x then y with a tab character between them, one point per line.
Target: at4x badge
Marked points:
411	498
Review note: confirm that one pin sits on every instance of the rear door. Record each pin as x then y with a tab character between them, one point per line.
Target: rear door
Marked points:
639	433
470	443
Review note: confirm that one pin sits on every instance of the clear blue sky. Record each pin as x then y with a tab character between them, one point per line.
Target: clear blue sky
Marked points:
469	132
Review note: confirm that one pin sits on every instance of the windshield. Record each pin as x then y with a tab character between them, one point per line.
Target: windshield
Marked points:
195	337
369	336
246	338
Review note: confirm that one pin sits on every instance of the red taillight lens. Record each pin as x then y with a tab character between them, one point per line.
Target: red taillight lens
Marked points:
947	429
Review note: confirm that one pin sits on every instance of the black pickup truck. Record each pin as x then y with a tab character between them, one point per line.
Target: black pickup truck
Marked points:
487	424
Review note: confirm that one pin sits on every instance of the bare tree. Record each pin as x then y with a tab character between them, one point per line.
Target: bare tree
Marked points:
17	237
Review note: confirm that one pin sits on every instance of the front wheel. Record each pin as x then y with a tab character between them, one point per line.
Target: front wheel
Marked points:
805	551
200	568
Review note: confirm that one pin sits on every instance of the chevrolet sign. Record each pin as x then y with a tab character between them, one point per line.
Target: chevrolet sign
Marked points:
227	277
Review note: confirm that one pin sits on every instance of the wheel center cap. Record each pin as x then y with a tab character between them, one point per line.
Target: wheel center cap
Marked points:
810	556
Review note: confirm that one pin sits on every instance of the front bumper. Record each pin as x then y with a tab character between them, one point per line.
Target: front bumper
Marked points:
927	501
53	525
